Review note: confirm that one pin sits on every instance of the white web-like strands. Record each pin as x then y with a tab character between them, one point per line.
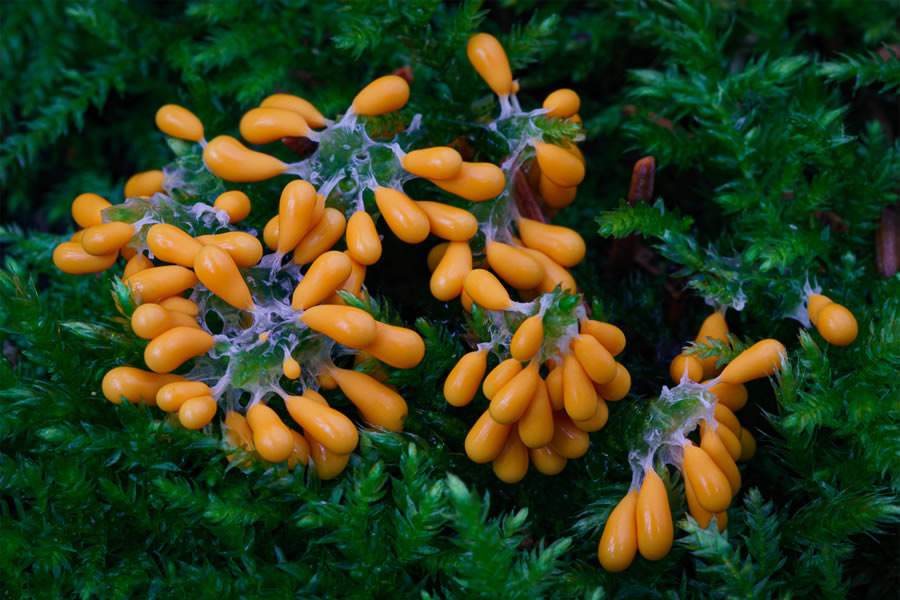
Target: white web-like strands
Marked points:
523	134
251	346
733	296
201	208
554	344
501	333
737	300
346	163
559	346
345	153
269	335
801	311
520	131
675	414
143	213
271	332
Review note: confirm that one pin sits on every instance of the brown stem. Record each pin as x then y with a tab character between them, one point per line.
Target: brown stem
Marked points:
886	255
525	200
832	220
404	72
642	177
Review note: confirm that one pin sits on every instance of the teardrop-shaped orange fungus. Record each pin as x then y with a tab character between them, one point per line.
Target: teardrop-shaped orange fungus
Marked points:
265	125
216	270
302	107
232	161
179	122
385	94
759	360
475	182
655	532
618	544
440	162
146	183
489	59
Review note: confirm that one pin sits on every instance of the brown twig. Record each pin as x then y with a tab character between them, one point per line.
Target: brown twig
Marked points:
832	220
626	250
887	257
525	200
642	178
405	72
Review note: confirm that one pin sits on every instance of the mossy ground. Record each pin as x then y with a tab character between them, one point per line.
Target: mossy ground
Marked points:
776	158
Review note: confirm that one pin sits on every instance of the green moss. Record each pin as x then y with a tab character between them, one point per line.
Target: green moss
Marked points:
779	112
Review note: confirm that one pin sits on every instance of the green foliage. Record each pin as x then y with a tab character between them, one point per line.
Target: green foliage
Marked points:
781	156
644	219
872	68
723	572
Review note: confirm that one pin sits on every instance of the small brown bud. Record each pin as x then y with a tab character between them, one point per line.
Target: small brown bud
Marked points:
525	200
405	73
887	257
642	178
